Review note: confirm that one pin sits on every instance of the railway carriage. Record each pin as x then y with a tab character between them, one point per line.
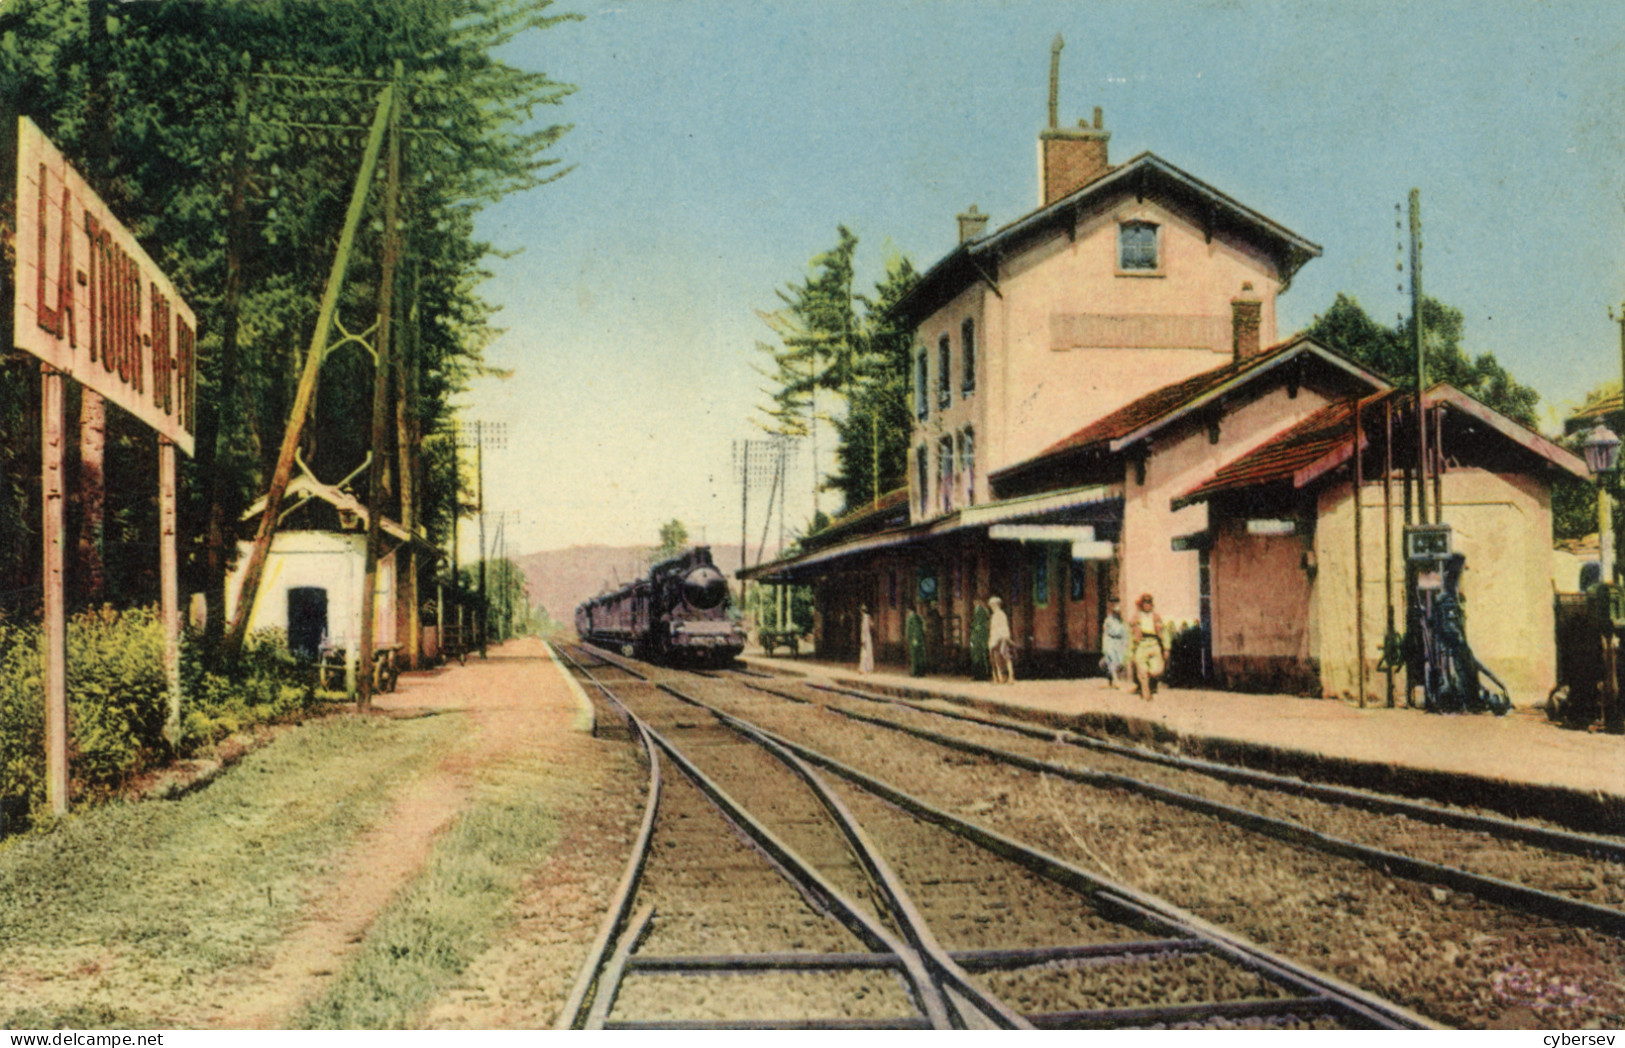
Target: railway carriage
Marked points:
678	613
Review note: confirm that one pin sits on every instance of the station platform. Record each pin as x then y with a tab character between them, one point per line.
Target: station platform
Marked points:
1520	764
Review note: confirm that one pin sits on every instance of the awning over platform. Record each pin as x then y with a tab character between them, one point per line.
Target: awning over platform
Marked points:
1095	503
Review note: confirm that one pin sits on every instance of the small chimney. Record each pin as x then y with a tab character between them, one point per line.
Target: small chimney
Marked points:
972	224
1246	317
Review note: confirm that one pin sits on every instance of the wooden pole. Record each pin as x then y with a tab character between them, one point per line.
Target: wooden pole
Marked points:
55	655
380	402
169	584
306	394
1388	534
1359	559
1421	358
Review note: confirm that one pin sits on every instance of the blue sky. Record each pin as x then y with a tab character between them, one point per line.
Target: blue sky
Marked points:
717	145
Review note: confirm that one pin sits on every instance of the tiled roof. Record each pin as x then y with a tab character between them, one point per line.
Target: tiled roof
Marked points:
1325	433
1322	441
1160	403
1161	406
874	513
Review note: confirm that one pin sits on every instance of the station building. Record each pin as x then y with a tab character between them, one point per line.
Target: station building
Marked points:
1102	408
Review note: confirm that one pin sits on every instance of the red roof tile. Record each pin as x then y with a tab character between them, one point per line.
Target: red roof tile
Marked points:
1160	403
1283	457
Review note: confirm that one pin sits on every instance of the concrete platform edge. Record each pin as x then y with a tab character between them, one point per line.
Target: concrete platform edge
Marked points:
585	719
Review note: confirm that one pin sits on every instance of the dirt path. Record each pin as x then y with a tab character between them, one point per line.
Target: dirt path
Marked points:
520	709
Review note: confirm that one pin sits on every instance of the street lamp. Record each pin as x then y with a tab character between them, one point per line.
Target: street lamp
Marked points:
1602	457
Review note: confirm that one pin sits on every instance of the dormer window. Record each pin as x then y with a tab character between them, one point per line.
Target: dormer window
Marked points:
1137	248
944	362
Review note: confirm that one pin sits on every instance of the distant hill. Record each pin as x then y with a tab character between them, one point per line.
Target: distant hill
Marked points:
561	579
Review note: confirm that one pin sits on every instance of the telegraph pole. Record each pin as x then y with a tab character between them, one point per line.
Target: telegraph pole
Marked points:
380	401
1421	359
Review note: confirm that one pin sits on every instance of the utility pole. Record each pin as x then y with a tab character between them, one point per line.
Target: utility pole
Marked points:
477	434
380	398
1421	359
306	393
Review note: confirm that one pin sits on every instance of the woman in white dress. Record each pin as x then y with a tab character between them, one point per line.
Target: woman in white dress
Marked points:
866	641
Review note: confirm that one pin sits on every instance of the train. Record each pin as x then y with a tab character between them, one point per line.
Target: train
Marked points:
677	613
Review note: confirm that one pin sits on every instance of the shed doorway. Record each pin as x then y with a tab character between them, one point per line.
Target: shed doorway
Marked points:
307	620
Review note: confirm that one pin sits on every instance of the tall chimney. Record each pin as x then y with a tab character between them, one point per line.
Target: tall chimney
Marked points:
1246	315
972	224
1070	157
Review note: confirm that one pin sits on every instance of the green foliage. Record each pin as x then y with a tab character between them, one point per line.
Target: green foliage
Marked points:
118	701
227	135
1347	328
267	685
673	540
846	346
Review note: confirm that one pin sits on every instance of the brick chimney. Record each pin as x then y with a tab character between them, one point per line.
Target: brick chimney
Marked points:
972	224
1072	157
1246	316
1069	157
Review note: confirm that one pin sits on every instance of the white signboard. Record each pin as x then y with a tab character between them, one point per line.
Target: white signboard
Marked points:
89	301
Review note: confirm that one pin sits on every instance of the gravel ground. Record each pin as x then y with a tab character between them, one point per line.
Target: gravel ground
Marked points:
1450	956
1590	880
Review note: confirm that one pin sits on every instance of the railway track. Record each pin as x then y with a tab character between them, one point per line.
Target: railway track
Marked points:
967	927
1523	921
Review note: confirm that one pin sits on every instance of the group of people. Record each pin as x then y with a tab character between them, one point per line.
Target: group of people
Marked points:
1136	645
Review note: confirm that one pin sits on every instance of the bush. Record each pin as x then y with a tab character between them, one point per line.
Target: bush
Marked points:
118	702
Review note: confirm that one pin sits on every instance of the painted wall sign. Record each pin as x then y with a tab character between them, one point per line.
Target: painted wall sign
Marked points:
89	302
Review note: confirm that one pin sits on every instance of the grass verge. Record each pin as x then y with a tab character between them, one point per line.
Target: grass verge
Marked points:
449	915
118	915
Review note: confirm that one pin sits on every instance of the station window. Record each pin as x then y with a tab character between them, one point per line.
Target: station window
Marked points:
921	409
1041	577
967	464
967	356
944	362
922	477
945	473
1137	247
1077	577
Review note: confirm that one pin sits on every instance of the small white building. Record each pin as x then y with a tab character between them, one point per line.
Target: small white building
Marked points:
313	582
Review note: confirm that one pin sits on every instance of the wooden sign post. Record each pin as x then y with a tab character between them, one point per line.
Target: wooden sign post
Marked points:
91	304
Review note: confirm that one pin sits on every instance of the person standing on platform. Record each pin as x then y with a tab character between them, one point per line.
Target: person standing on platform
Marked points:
914	634
1146	644
866	640
979	625
933	638
1114	643
998	643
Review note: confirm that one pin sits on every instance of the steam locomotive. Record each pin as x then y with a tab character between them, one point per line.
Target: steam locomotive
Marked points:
678	613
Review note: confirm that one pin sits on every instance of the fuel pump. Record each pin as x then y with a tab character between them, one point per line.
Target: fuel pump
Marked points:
1443	663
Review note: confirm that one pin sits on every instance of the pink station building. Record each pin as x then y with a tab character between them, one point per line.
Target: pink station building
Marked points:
1102	408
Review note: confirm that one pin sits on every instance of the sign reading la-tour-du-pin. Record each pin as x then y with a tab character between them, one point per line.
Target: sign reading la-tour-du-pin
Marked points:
90	303
94	308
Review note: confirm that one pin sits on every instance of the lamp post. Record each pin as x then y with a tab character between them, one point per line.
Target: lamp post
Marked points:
1601	450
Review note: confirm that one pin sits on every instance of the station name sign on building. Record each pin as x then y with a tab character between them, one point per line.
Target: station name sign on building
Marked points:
89	302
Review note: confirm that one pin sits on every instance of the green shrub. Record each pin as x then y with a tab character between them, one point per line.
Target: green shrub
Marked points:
118	701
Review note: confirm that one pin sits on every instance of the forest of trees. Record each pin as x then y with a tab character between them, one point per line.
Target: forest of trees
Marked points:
228	136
